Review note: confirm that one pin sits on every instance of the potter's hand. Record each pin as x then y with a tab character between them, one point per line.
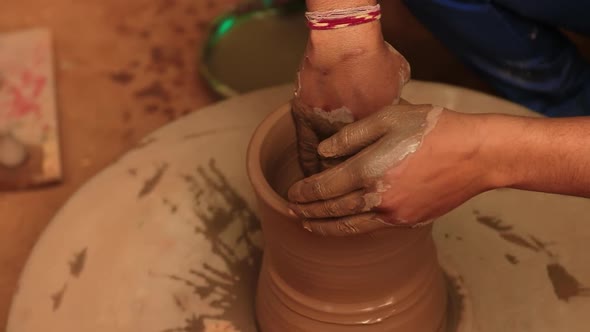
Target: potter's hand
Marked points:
346	75
411	164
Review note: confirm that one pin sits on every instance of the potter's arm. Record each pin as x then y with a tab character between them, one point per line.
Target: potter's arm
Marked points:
547	155
351	70
412	164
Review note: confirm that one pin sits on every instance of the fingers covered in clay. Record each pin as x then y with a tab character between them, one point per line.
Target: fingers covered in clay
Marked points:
376	144
349	204
346	226
312	125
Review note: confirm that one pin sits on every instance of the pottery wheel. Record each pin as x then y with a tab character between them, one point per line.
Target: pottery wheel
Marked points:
166	239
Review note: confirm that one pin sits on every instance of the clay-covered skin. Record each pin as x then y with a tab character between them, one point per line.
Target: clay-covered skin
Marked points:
385	281
331	95
344	200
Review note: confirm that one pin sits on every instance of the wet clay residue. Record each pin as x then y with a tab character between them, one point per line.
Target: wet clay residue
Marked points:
493	223
564	284
173	207
518	240
77	264
506	232
456	302
150	184
219	206
511	259
179	303
57	298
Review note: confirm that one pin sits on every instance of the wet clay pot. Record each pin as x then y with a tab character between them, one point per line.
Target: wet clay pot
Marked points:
387	281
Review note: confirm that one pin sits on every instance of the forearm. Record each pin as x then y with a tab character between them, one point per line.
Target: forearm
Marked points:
547	155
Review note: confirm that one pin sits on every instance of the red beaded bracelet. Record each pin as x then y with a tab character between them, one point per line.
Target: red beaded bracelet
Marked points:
342	18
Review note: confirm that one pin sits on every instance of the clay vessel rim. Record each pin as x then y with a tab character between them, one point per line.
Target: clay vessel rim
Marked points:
257	179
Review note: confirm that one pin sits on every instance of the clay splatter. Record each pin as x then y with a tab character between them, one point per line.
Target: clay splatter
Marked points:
511	259
219	206
456	297
179	303
163	58
493	223
150	184
173	207
122	77
564	284
57	297
77	264
518	240
506	233
155	90
542	245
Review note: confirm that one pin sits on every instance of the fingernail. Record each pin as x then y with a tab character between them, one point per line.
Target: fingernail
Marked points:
292	213
325	149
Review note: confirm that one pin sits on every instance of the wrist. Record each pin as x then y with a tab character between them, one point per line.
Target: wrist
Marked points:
500	148
335	45
331	47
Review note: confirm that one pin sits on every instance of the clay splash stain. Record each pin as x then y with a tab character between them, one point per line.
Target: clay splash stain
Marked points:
155	90
542	245
493	223
77	265
193	324
179	303
564	284
518	240
511	259
57	298
456	301
150	184
219	206
173	207
122	77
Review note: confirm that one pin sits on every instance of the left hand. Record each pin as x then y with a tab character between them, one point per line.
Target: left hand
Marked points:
410	164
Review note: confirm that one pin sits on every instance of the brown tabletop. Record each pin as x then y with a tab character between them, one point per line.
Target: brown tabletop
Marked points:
123	69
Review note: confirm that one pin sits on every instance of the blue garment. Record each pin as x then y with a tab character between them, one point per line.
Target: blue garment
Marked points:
517	47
